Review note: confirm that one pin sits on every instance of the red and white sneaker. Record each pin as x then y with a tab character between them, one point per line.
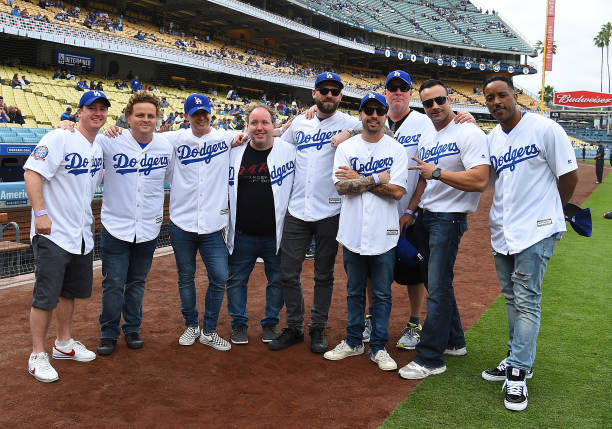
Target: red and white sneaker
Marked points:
75	351
40	368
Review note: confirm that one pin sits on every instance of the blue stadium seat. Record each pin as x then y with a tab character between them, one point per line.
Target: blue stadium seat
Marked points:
12	139
32	139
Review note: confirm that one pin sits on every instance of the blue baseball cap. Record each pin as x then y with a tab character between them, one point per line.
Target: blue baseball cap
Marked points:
91	96
406	252
579	219
196	102
398	74
373	96
328	77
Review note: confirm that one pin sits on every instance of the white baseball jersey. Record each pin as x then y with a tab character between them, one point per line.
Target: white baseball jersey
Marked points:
71	168
199	189
369	224
314	196
281	165
525	166
456	147
415	127
133	203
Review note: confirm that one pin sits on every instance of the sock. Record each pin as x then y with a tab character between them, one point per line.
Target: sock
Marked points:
59	343
414	320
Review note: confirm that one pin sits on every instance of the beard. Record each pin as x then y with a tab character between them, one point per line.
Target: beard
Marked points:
327	107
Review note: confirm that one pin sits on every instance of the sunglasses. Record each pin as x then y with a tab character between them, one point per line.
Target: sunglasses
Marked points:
324	91
380	111
428	104
403	88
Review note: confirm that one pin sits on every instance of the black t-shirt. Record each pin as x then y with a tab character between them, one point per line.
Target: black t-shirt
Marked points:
255	202
394	126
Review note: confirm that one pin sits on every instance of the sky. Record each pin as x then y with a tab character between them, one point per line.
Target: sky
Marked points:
576	66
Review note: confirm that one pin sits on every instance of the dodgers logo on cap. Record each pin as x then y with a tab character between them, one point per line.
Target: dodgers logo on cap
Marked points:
373	96
328	77
196	102
398	74
91	96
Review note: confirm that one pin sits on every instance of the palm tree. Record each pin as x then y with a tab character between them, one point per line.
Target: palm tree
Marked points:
549	92
539	46
599	42
606	31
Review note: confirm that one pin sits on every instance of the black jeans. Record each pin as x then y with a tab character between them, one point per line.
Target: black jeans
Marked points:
599	165
297	235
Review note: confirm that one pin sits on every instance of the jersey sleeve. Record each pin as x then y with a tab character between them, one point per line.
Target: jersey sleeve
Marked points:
47	156
340	159
559	152
474	148
399	168
289	135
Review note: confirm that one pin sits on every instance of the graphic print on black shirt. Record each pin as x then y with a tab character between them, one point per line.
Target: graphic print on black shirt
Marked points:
255	202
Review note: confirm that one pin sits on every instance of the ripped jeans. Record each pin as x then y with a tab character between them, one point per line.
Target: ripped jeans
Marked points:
520	276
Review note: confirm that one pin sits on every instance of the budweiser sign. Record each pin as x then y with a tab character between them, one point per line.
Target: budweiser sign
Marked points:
583	99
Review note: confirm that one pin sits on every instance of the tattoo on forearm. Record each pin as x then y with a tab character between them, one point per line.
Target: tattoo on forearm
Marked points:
383	190
355	186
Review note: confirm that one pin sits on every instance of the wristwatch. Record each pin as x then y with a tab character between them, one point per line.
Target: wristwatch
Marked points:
436	174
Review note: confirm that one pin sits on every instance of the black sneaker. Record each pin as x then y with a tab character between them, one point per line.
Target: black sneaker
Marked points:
516	389
106	346
499	373
239	334
318	343
133	340
288	337
269	333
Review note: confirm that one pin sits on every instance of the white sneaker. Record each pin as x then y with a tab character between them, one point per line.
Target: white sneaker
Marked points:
40	368
343	350
456	351
384	361
215	341
414	371
189	336
74	351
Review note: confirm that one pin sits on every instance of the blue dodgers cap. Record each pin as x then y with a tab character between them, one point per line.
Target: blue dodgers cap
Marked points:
398	74
328	77
373	96
579	219
406	252
196	102
91	96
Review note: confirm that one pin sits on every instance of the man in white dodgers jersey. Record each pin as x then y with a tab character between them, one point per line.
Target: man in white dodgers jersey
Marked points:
136	165
260	181
408	127
369	227
455	164
314	209
61	176
534	173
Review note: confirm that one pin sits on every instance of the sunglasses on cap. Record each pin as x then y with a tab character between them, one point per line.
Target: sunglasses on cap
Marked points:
324	91
403	87
428	104
380	111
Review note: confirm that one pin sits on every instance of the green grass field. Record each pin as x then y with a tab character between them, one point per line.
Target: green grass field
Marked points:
572	383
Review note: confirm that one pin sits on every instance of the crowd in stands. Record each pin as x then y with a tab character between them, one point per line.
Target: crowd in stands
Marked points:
10	114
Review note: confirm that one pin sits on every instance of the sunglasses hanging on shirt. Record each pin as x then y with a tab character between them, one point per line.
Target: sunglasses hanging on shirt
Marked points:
428	104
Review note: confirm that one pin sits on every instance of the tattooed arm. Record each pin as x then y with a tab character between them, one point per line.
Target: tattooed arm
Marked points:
388	191
355	186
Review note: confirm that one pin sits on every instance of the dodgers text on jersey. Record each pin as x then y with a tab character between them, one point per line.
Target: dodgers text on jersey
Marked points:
206	153
513	156
76	164
318	139
373	166
438	151
278	173
124	164
408	141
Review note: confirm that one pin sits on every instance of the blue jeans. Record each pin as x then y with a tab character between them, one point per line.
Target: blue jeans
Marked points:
380	269
125	267
247	248
521	276
440	234
214	255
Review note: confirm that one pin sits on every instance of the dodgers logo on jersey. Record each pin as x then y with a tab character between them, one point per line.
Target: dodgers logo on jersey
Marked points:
438	151
279	173
206	153
124	164
40	153
76	164
513	157
318	139
372	166
408	141
231	176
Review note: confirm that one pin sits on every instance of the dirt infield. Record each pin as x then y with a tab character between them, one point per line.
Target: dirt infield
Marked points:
166	385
